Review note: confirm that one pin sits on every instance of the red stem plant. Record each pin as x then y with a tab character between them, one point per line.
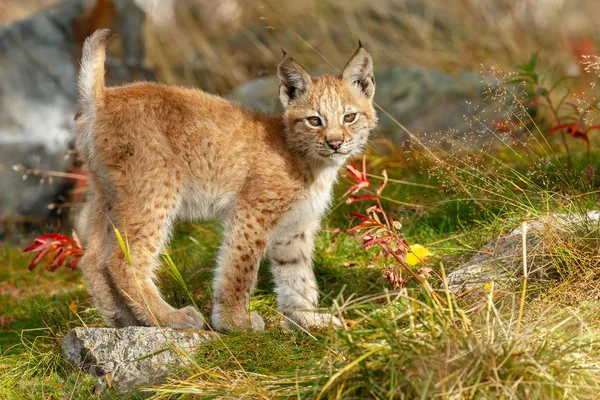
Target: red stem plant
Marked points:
377	229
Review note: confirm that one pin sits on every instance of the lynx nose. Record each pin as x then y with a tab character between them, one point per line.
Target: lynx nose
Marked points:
335	144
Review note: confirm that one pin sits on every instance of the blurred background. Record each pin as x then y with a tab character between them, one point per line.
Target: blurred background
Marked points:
434	64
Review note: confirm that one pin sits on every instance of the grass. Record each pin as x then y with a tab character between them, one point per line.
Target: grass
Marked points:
401	344
406	344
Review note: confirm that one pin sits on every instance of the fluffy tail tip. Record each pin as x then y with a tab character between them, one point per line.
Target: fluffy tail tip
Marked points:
91	74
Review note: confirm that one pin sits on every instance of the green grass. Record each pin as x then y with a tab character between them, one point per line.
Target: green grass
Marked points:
406	344
403	344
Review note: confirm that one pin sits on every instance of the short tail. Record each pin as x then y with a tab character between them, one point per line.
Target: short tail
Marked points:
90	83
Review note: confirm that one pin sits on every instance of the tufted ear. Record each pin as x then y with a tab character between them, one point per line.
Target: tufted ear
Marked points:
293	80
359	72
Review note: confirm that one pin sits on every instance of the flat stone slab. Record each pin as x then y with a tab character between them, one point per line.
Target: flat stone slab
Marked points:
133	356
502	258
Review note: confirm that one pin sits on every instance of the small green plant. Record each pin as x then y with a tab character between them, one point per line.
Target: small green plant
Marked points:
570	115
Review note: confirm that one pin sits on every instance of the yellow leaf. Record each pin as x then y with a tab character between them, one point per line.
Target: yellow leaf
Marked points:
417	254
73	307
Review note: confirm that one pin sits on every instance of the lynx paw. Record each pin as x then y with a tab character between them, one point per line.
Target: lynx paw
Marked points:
187	318
308	320
229	321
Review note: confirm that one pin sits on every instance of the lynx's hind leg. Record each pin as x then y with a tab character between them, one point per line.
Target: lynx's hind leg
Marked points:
105	294
145	217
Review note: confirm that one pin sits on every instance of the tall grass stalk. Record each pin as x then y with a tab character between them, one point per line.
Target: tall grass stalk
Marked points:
525	276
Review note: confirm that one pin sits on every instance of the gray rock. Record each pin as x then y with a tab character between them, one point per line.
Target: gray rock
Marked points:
499	260
259	94
38	67
561	222
130	356
425	101
37	104
502	259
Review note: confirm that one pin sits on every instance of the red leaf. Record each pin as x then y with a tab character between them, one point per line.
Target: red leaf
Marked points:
559	128
359	177
352	199
355	188
43	253
574	131
57	248
354	173
73	263
361	216
37	243
580	135
59	258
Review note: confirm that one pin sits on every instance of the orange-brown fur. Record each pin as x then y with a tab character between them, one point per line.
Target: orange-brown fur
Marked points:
159	153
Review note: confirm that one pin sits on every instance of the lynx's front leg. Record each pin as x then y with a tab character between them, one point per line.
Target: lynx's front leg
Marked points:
237	269
290	254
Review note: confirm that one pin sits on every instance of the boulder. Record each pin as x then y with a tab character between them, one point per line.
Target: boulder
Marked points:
502	259
129	357
39	58
37	104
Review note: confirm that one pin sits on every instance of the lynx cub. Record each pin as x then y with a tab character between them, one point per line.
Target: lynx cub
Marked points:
158	153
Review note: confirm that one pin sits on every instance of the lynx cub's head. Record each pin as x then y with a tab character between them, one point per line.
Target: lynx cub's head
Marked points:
328	118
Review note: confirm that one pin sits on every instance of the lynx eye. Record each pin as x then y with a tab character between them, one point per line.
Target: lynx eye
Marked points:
314	121
349	117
